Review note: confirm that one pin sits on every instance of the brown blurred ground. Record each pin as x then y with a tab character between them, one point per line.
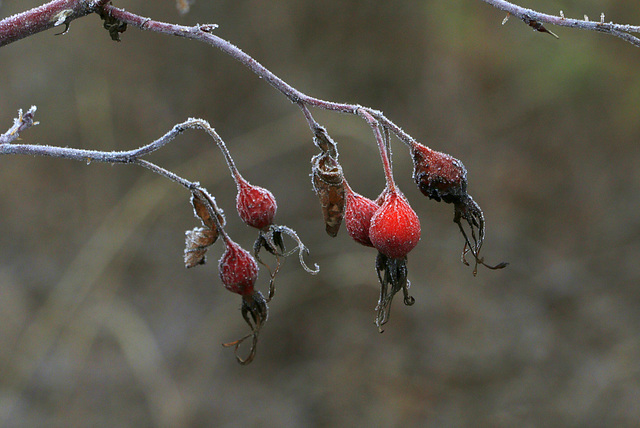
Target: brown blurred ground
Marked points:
101	325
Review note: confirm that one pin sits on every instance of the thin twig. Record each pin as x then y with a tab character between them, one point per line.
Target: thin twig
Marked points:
529	16
203	34
22	122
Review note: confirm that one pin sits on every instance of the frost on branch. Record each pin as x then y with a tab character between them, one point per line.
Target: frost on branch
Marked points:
22	122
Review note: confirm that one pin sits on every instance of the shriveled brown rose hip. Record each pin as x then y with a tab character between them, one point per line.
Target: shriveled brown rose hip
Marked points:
438	175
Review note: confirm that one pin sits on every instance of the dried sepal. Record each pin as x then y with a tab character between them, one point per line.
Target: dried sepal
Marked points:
197	242
204	207
112	24
327	179
392	274
255	313
272	240
467	209
199	239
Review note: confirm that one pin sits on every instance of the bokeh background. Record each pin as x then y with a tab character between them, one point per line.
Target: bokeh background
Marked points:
101	325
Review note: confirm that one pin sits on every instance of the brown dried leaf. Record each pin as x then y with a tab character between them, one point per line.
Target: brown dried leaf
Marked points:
328	185
201	210
197	241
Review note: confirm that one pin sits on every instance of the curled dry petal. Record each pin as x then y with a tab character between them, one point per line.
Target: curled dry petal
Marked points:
255	312
204	208
199	239
392	274
327	181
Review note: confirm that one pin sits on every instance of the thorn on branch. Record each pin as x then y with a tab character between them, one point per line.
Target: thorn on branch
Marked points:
207	28
537	26
62	17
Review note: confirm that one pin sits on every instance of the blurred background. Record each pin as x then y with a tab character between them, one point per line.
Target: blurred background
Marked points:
101	325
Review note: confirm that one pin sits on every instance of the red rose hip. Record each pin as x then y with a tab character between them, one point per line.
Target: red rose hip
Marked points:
395	227
238	269
357	216
256	205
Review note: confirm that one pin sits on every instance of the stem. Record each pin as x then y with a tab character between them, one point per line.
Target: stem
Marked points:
382	147
225	152
165	173
203	34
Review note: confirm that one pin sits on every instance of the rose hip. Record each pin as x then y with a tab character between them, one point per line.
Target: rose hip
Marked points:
256	205
395	227
438	175
238	269
357	216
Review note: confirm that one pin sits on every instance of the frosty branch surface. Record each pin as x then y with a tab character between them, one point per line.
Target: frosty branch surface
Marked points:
41	18
533	18
122	157
22	122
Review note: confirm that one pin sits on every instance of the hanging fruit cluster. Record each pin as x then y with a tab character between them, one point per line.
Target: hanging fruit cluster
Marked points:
256	207
388	224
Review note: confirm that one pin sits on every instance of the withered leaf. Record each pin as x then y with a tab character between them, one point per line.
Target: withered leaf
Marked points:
328	184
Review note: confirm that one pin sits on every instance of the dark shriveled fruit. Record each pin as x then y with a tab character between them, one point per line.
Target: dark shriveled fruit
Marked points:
442	177
438	175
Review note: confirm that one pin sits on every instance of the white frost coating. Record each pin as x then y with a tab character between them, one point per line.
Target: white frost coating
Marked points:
61	17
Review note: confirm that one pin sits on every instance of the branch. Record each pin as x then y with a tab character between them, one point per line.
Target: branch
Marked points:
22	122
123	157
203	33
535	20
49	15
